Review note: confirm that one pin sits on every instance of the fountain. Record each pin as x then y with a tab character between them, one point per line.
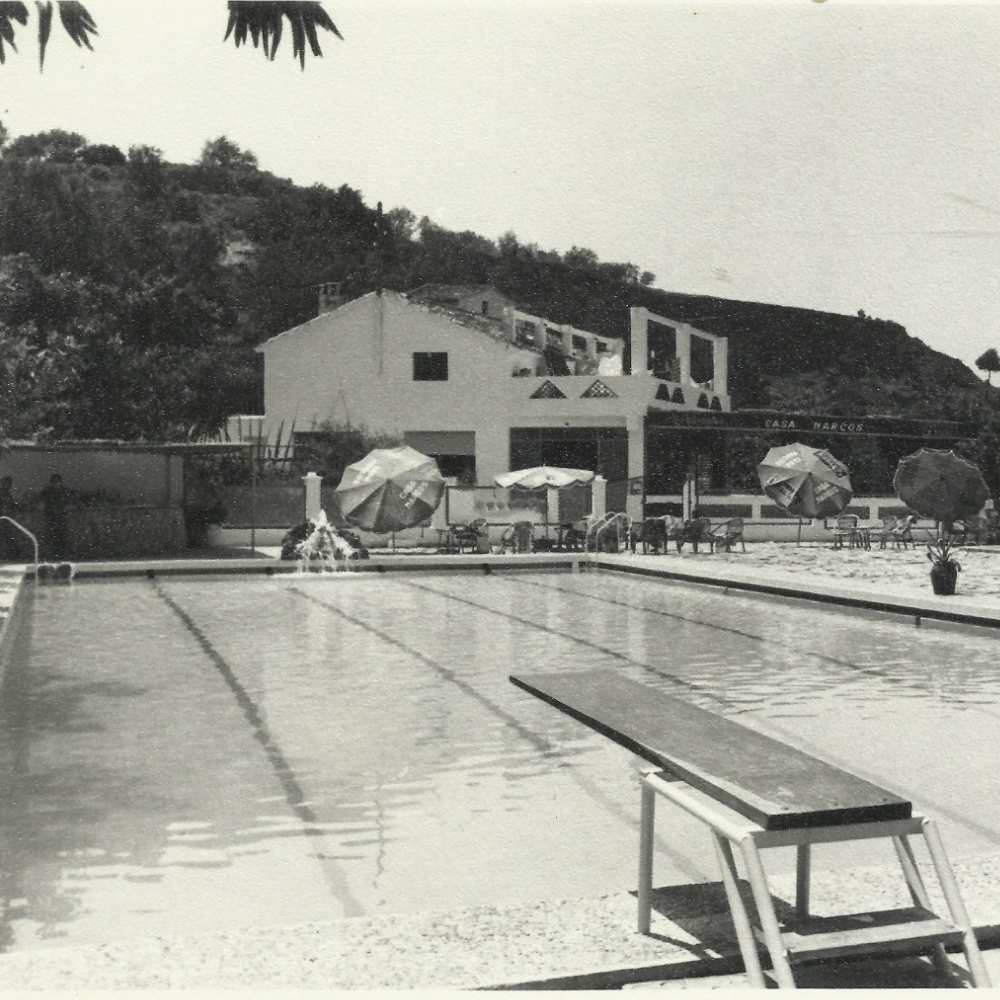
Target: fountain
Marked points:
326	545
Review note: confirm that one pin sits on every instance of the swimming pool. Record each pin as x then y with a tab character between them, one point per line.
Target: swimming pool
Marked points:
194	754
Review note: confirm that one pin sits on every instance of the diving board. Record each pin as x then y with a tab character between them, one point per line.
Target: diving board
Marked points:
772	783
756	792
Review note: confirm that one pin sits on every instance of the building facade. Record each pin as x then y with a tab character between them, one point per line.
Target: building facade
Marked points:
485	387
493	388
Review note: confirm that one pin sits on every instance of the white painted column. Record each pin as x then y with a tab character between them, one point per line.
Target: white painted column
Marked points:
720	366
638	340
684	356
598	496
636	465
311	491
688	497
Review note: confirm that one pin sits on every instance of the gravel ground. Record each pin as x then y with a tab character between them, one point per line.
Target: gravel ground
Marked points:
902	572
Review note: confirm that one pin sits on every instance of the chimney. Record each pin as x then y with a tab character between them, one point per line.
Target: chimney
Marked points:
330	297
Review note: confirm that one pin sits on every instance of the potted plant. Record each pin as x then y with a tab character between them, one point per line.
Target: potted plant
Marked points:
944	566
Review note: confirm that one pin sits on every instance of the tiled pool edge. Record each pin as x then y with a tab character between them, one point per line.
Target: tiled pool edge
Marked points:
376	564
12	603
767	583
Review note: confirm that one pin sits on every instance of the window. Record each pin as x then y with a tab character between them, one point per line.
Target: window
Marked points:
579	344
430	366
602	348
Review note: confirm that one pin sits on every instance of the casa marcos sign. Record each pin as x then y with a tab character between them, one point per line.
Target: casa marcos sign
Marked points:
803	423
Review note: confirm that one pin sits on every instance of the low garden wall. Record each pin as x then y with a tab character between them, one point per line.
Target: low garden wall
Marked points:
110	532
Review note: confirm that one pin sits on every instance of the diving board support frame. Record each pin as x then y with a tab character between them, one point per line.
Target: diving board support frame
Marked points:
732	830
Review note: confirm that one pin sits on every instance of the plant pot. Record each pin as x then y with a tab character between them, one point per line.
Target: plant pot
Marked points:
943	579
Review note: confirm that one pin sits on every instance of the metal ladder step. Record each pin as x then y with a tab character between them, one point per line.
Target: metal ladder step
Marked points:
908	929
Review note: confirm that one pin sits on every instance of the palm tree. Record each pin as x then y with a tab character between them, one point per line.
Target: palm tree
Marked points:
263	22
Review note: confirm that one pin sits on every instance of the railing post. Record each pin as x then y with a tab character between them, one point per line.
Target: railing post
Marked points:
311	483
599	497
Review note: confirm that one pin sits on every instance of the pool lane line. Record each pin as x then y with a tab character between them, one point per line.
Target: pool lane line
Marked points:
680	861
692	686
732	630
870	671
988	833
294	794
540	743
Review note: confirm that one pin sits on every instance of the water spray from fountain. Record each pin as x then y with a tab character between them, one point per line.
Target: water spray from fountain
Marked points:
326	545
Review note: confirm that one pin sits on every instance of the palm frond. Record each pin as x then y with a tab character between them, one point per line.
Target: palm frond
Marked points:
263	23
44	29
77	22
10	12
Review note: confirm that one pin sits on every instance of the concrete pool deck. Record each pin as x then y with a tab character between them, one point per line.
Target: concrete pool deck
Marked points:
571	943
554	944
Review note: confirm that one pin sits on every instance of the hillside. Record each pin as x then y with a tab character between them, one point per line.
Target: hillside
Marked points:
133	290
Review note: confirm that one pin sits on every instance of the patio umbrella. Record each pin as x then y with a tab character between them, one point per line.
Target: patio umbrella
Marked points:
939	484
805	481
390	489
543	475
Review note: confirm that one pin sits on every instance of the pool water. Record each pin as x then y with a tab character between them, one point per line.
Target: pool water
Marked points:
188	755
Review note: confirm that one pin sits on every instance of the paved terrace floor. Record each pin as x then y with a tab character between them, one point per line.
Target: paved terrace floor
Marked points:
575	943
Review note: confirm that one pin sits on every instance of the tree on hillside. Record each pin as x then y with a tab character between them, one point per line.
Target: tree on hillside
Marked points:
145	172
224	154
989	362
262	22
226	167
56	146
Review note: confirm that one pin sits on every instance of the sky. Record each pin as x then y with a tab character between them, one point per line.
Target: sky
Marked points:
827	155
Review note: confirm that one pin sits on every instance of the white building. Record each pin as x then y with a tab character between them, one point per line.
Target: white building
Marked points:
484	387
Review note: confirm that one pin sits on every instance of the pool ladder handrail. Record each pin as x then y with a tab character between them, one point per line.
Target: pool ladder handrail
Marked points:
34	541
602	524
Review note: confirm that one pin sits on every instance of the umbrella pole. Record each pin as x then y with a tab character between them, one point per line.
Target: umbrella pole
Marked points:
798	540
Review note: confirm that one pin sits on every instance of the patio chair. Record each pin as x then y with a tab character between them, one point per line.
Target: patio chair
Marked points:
470	537
651	533
902	534
523	536
882	533
572	536
992	527
974	529
846	529
674	528
725	535
696	531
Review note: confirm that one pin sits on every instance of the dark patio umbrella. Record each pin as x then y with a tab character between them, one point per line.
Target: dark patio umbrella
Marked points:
390	489
940	484
805	481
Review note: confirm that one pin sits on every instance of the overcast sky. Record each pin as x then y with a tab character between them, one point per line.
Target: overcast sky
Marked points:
826	155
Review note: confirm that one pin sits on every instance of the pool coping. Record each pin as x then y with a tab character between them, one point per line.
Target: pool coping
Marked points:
765	582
